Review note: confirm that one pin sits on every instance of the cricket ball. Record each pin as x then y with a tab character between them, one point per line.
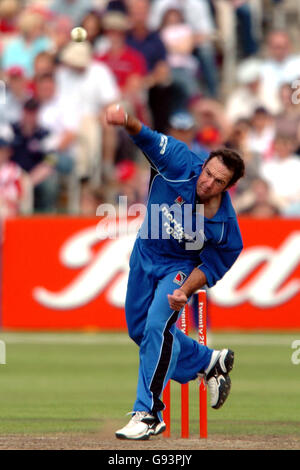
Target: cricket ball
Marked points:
78	34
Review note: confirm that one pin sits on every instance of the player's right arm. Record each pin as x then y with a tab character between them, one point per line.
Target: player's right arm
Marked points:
168	156
117	116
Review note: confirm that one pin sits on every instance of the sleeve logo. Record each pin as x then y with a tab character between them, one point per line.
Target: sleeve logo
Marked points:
180	278
163	144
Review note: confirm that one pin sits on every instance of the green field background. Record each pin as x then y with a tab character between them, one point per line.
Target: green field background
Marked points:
86	382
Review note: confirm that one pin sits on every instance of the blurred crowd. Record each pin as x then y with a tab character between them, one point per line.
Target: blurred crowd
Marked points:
212	73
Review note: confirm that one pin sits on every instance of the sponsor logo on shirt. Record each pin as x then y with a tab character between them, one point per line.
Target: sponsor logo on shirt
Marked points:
179	200
173	227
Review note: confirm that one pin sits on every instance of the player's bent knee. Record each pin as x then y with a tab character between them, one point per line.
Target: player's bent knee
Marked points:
135	333
137	338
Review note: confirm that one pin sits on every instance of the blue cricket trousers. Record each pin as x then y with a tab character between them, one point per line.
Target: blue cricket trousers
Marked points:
165	352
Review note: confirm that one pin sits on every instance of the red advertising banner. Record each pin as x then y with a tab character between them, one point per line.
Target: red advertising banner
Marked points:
58	274
262	290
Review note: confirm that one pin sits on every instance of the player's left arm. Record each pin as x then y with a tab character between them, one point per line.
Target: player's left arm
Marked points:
179	298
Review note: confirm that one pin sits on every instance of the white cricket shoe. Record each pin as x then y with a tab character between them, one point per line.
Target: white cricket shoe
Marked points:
217	376
140	427
157	428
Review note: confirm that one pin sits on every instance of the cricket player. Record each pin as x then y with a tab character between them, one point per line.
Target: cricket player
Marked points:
189	239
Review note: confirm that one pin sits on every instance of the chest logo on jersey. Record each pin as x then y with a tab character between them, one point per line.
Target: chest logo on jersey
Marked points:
180	278
179	200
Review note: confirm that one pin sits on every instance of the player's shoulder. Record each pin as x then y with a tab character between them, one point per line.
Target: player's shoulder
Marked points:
230	211
226	212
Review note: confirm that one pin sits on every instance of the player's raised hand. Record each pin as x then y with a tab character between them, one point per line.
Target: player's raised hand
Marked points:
177	300
116	115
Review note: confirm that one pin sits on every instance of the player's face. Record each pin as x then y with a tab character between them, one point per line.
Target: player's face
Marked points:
213	180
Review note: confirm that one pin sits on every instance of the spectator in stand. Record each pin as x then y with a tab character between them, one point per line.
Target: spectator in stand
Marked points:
246	97
87	83
282	172
287	122
179	40
280	66
238	140
261	136
182	126
246	28
22	50
210	137
73	9
198	15
244	20
150	45
44	63
213	126
238	137
257	201
8	13
127	64
16	95
90	87
116	6
60	118
92	23
59	31
31	152
147	42
11	182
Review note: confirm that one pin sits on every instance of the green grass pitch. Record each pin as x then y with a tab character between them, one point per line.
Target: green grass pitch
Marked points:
80	382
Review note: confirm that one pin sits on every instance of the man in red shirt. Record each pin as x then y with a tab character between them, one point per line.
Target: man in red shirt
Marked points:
127	64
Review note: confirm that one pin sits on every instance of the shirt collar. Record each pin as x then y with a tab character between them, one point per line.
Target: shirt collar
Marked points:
225	211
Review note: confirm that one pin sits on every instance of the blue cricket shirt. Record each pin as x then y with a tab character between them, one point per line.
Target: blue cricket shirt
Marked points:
174	229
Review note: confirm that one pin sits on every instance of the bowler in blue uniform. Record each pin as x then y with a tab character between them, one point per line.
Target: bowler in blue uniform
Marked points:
189	239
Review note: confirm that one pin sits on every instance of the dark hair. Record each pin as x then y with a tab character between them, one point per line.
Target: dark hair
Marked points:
261	110
117	5
232	160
